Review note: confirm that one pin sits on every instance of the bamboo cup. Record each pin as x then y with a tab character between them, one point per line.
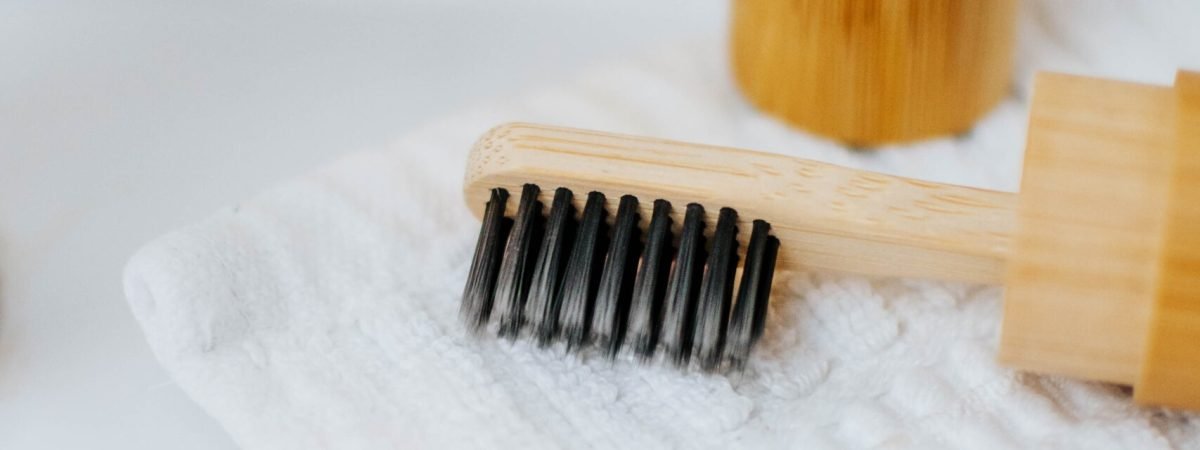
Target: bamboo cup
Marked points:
869	72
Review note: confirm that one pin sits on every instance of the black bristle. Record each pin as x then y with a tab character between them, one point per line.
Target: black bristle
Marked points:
616	282
650	285
582	277
516	268
542	307
682	288
591	283
770	254
477	296
751	303
716	292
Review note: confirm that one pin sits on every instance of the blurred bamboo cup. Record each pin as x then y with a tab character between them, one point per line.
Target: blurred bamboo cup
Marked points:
870	72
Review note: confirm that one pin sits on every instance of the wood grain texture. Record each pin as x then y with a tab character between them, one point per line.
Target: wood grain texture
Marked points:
825	216
1100	255
1084	265
867	72
1170	371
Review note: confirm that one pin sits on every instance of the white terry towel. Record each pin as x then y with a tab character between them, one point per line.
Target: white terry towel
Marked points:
323	313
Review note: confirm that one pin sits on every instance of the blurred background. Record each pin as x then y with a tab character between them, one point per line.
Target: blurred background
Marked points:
122	120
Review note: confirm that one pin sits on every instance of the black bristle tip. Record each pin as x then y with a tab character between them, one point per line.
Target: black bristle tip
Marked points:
476	307
512	285
617	279
545	300
716	291
683	286
582	278
650	285
589	283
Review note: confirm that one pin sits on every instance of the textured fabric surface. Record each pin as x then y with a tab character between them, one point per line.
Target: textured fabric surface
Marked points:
323	313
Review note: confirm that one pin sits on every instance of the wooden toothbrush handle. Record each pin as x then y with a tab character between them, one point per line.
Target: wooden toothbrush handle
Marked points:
826	216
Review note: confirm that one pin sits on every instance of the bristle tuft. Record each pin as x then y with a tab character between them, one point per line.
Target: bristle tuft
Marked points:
545	300
770	254
682	288
589	283
716	290
617	280
751	304
582	278
516	269
476	307
650	285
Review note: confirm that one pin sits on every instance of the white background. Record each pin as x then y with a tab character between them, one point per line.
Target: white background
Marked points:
120	121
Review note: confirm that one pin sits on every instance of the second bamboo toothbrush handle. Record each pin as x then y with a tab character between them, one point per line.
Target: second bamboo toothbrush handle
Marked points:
826	216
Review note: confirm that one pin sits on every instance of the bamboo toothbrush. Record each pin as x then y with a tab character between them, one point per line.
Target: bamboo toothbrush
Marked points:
1099	252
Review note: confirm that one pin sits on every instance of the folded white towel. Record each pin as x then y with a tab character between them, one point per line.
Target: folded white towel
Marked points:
323	313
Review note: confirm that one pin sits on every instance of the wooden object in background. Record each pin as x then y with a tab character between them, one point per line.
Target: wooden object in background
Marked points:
1100	252
869	72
